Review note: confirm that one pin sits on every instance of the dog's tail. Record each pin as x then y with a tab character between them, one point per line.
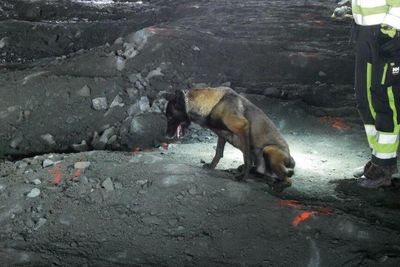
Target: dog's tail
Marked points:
281	163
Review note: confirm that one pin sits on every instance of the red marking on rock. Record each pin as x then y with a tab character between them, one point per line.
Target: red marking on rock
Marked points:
337	123
291	203
302	217
77	172
56	173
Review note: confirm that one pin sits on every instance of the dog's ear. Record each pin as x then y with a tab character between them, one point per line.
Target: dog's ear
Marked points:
180	97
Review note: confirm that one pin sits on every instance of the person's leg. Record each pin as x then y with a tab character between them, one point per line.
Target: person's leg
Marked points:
363	79
384	148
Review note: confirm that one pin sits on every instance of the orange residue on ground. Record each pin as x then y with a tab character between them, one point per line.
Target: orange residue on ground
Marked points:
302	217
77	172
290	203
56	173
157	30
305	215
164	145
337	123
136	149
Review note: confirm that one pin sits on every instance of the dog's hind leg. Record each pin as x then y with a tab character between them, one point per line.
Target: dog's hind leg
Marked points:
219	153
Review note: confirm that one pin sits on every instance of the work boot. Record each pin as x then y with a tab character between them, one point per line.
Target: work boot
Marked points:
377	176
359	172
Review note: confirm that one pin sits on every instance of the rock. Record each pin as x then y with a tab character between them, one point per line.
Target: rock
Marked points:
119	41
200	85
130	50
35	192
83	180
40	223
117	102
107	184
85	91
96	144
82	164
80	147
47	163
142	182
16	142
120	63
118	185
112	140
37	182
195	48
154	73
135	77
134	109
226	84
3	42
49	139
136	126
99	103
321	73
106	135
132	93
144	104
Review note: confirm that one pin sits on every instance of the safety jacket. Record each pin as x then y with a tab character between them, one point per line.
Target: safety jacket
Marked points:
375	12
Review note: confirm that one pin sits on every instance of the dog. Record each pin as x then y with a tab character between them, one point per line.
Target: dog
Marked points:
237	121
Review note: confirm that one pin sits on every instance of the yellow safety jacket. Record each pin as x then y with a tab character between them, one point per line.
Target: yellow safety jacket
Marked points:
375	12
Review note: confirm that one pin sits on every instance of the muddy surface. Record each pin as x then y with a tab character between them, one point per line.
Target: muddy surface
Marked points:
161	207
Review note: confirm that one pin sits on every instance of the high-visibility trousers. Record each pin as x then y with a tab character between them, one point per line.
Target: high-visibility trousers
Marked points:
377	88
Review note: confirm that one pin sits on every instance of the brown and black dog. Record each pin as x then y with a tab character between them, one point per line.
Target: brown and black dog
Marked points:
235	120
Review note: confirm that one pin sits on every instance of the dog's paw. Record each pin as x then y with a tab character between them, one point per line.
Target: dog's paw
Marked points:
280	185
208	166
240	177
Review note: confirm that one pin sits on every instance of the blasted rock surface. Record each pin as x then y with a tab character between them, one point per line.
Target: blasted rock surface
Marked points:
73	75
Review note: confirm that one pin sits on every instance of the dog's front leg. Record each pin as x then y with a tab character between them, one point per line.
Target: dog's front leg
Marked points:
219	153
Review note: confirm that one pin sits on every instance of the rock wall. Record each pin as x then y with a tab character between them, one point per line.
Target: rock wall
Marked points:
97	76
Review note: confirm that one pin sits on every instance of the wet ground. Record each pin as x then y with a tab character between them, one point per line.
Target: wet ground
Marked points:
161	207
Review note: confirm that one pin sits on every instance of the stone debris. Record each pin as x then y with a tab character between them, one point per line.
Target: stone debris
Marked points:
96	142
132	93
85	91
120	63
3	42
105	136
144	104
49	139
130	50
35	192
154	73
134	109
47	163
16	142
112	140
40	223
119	41
36	182
82	164
107	184
117	102
83	146
99	103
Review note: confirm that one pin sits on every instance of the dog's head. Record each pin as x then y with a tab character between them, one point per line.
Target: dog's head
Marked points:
177	117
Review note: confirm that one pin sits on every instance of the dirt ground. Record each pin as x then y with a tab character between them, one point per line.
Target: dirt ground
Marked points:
161	208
